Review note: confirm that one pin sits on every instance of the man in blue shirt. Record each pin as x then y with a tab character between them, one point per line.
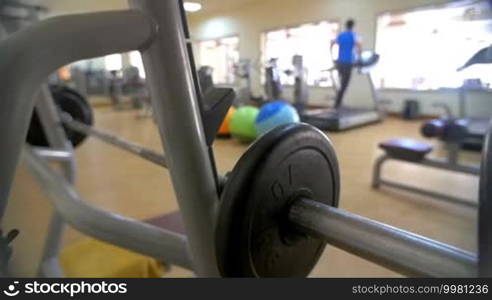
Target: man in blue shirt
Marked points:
349	48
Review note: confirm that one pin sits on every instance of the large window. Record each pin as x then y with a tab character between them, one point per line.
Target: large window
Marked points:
113	62
136	61
222	55
422	49
312	41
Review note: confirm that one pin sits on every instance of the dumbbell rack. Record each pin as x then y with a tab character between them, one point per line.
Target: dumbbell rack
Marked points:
153	27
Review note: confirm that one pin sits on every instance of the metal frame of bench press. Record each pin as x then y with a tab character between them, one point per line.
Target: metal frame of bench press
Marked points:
155	28
449	164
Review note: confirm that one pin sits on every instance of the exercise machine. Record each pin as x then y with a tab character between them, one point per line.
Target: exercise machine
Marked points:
270	217
348	117
273	84
452	132
477	127
127	84
205	78
245	96
301	88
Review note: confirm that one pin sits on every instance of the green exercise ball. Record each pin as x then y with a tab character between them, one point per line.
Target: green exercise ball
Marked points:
242	124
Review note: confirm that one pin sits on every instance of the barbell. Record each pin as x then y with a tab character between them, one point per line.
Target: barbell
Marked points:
278	210
68	101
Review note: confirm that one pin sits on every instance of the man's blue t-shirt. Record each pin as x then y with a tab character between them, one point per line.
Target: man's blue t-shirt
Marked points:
346	43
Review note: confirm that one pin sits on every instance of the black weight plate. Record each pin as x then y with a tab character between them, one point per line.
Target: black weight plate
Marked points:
253	235
71	102
35	134
485	210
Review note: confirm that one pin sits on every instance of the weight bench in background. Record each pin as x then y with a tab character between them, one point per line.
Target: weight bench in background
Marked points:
416	152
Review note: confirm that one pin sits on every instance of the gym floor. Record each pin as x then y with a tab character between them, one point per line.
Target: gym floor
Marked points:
112	179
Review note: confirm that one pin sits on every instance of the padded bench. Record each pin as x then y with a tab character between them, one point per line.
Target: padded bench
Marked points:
406	149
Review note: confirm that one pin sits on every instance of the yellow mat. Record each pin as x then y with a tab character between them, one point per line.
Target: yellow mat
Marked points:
94	259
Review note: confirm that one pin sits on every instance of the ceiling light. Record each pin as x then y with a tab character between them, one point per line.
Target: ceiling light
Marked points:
192	6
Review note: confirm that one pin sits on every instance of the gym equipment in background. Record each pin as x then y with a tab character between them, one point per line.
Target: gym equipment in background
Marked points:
411	109
277	208
245	96
127	89
301	88
127	84
274	114
482	56
242	124
452	132
205	78
68	101
242	85
349	117
477	127
273	85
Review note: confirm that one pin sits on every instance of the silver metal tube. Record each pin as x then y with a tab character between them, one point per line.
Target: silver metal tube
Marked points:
55	134
396	249
147	154
374	94
445	165
377	181
127	233
435	163
29	56
376	176
52	154
50	268
176	108
436	195
49	265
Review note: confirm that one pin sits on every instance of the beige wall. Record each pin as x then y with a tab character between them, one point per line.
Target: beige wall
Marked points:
250	21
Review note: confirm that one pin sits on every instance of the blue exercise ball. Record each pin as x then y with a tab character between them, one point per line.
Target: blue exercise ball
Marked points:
274	114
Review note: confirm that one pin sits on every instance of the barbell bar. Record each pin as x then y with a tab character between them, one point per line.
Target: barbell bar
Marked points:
147	154
396	249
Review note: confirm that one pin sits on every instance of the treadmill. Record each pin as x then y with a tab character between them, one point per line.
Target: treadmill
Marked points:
477	127
348	117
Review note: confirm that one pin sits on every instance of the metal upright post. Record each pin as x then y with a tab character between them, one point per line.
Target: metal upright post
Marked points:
374	94
55	134
453	153
462	101
177	112
52	125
